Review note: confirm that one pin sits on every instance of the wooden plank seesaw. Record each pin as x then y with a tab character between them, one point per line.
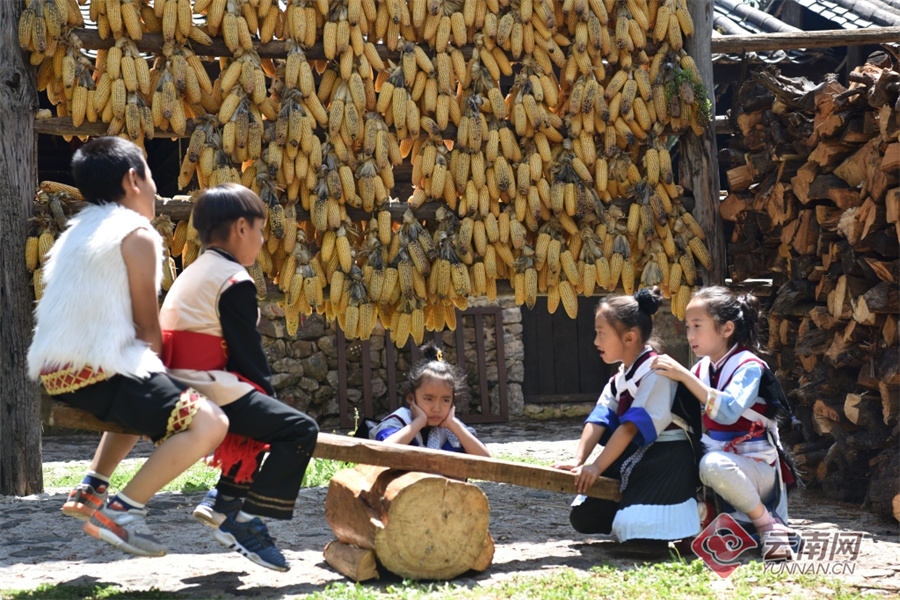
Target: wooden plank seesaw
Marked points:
396	456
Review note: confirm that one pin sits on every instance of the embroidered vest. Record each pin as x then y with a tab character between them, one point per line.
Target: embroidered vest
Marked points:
720	381
85	317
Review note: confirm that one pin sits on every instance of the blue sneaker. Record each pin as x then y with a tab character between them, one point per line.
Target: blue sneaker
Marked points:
252	540
212	510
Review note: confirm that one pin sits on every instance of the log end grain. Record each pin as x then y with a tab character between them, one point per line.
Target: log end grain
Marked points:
435	528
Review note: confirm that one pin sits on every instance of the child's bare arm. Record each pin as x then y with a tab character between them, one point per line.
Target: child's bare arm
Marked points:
590	437
470	443
405	434
671	368
139	253
586	475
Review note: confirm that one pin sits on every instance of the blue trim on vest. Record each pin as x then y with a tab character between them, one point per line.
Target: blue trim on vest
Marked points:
727	436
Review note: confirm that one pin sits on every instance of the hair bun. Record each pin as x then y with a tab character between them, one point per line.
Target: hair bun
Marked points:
649	299
430	352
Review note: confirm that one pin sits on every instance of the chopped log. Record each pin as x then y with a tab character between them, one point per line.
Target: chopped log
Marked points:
823	426
822	318
851	407
889	366
739	178
351	561
802	181
421	526
827	409
892	205
734	204
867	375
846	353
891	331
828	154
890	402
860	129
747	122
890	162
885	271
822	187
854	169
828	217
884	298
896	506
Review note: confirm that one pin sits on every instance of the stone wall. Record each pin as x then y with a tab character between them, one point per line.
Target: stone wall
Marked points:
305	366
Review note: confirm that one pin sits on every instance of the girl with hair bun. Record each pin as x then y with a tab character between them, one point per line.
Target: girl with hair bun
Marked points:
433	385
741	400
645	445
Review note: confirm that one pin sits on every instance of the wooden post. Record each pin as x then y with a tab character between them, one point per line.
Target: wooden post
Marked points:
698	168
20	424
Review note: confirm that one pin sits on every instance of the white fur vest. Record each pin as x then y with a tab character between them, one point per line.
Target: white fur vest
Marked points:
85	316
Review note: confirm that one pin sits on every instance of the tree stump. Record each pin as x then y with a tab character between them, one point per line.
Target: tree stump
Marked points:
421	526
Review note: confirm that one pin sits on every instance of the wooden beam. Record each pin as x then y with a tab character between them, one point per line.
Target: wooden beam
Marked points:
828	38
396	456
452	464
698	167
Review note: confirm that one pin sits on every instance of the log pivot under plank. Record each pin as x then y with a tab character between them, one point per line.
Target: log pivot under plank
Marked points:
396	456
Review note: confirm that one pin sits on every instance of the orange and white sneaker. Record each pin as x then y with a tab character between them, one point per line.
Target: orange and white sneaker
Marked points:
84	501
125	530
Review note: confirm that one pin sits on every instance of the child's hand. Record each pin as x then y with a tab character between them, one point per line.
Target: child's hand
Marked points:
668	366
585	476
418	415
565	466
450	420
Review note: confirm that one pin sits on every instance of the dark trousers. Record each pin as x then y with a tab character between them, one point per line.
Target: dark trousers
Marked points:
596	515
291	436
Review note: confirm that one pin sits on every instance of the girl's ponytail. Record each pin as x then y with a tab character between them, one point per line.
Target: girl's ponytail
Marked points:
746	331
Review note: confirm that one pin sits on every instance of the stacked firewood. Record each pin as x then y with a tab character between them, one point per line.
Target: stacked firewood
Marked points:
815	203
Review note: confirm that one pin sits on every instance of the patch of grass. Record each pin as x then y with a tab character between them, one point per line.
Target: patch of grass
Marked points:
676	579
198	478
99	591
320	471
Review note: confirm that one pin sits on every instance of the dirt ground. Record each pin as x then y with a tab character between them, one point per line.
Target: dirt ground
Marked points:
39	545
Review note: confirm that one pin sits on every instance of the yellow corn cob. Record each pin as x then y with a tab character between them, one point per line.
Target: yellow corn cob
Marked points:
688	269
567	262
694	227
569	299
616	264
31	252
680	301
634	217
37	281
698	249
674	277
628	276
602	272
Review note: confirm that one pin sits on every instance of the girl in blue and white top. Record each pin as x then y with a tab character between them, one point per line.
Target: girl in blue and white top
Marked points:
645	445
744	462
430	420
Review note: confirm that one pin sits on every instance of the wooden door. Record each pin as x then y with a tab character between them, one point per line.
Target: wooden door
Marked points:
561	363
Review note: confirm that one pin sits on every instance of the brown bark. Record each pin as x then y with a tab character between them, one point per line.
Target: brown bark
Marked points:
20	426
351	561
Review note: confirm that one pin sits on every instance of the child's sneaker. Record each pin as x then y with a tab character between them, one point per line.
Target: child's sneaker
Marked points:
776	543
84	501
252	540
212	510
125	530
